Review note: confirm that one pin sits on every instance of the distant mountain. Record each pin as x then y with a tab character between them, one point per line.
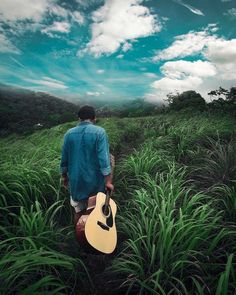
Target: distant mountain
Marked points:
22	110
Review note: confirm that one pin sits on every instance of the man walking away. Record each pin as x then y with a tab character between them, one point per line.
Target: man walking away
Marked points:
85	162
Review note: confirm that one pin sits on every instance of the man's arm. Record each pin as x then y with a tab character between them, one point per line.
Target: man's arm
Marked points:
104	160
64	162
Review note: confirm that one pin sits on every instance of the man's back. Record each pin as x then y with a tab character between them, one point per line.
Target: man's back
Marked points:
85	157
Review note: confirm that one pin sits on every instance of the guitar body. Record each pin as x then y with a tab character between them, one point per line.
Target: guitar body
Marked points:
100	228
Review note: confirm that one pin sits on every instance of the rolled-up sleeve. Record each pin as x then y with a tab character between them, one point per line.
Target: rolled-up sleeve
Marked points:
103	154
64	155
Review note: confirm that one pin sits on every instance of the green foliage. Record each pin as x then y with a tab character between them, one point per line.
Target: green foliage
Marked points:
227	201
35	269
170	227
35	237
167	232
222	287
224	100
218	163
23	111
188	99
175	190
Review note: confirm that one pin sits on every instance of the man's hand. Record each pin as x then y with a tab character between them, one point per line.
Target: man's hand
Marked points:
65	180
110	187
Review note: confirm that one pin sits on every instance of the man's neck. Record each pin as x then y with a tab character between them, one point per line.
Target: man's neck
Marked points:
88	120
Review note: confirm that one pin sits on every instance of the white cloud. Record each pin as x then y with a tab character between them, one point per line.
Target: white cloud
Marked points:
231	13
31	15
20	27
226	0
90	93
57	54
150	75
65	13
191	8
219	52
182	68
126	46
77	17
187	44
158	99
166	84
222	53
58	11
52	80
14	10
48	82
218	69
7	46
165	19
215	29
120	56
34	10
117	22
57	27
100	71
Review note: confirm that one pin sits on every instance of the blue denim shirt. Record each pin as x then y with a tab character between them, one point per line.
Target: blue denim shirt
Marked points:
86	159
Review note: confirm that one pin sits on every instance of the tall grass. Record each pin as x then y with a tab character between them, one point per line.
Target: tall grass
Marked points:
35	249
227	201
169	231
218	163
39	253
35	256
175	187
36	270
177	241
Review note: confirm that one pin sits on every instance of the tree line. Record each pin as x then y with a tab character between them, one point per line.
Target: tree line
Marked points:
23	111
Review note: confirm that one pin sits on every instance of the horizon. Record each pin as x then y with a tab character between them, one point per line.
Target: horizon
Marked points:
119	50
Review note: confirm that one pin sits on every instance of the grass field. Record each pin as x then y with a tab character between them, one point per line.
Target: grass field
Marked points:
175	187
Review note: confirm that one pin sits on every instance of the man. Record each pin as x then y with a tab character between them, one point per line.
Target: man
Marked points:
85	162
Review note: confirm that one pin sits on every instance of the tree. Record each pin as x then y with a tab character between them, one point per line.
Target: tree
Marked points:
221	94
188	99
225	100
232	95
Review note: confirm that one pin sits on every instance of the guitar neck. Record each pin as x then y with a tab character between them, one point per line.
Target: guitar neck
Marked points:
107	203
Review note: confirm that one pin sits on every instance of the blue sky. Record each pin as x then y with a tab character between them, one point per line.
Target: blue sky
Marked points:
118	49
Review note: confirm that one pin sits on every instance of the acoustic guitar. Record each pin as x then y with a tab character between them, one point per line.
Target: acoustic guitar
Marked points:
99	224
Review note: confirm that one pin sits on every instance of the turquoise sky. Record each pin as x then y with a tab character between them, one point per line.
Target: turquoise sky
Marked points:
118	49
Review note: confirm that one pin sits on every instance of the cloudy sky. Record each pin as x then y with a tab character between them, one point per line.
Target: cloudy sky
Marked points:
118	49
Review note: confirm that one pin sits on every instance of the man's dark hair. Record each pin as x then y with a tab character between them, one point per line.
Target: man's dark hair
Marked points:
86	113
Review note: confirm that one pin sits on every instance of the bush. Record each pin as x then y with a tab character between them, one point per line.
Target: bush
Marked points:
188	99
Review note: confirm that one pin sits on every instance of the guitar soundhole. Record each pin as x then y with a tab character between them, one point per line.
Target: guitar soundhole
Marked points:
107	213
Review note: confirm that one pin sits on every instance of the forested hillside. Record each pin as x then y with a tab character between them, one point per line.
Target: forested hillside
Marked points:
22	110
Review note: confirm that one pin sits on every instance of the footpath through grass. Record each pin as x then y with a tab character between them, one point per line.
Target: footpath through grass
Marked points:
176	194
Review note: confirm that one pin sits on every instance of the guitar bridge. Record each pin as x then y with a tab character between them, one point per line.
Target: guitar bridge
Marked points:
103	226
